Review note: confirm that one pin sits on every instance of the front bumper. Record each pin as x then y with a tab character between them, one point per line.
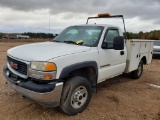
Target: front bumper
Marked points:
45	94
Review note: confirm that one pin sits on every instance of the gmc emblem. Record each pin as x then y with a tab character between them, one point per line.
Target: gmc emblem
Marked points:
13	65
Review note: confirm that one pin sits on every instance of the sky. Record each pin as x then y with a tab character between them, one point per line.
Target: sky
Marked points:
52	16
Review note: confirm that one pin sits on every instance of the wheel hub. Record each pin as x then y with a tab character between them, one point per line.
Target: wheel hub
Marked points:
79	97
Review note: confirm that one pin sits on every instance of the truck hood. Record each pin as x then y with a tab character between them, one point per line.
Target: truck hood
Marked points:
45	51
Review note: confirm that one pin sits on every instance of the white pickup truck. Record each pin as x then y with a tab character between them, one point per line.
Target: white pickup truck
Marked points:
64	72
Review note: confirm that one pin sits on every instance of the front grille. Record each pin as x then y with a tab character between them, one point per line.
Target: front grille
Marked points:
21	66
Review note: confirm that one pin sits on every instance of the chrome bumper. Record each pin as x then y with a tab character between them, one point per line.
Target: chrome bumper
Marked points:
48	99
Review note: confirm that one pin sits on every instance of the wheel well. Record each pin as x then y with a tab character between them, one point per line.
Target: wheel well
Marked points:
87	72
144	60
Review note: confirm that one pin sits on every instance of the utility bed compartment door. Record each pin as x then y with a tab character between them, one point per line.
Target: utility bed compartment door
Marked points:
145	47
133	50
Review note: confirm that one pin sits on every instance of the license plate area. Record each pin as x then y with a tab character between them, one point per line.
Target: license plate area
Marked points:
14	77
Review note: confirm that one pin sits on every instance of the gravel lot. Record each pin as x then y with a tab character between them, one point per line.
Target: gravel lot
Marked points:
120	98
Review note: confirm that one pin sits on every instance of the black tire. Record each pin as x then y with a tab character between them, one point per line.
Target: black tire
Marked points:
72	98
138	72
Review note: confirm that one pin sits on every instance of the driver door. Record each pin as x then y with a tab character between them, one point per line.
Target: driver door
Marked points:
112	62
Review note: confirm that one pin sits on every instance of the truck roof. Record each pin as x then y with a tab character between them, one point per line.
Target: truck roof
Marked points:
103	25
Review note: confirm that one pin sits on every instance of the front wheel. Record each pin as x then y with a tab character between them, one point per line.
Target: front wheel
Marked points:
138	72
76	95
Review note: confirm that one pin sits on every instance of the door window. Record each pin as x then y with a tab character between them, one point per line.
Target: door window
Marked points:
109	37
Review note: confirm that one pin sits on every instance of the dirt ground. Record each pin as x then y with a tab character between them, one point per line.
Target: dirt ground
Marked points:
120	98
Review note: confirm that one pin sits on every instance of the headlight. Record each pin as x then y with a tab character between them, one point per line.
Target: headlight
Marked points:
43	70
43	66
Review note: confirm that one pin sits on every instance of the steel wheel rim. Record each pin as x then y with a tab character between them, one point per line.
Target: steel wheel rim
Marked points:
79	97
139	70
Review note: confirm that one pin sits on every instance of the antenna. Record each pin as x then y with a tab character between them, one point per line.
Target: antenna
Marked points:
49	24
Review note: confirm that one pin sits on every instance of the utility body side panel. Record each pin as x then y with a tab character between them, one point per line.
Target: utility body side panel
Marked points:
137	49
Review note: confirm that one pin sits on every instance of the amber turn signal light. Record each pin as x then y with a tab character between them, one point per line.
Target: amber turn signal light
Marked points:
50	67
47	77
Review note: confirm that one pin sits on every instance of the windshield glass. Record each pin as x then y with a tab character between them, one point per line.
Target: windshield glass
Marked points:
157	43
80	35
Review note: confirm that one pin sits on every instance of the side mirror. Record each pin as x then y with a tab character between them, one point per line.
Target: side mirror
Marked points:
118	43
104	46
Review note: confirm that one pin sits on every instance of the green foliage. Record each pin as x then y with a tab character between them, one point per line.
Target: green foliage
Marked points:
152	35
1	34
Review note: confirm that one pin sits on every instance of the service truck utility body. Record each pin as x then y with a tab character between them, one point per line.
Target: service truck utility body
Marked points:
142	49
63	74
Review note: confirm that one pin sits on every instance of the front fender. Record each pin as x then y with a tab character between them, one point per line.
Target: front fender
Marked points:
68	69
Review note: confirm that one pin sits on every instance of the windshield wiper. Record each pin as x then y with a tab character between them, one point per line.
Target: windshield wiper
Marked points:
70	42
55	41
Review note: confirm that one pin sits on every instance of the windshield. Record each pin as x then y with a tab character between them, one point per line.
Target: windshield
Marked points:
80	35
157	43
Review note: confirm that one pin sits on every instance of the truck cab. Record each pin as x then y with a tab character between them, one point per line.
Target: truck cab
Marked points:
100	41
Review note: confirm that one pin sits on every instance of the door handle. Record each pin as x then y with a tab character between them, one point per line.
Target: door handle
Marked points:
122	53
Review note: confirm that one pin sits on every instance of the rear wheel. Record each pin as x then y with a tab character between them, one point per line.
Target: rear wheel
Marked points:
76	95
138	72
